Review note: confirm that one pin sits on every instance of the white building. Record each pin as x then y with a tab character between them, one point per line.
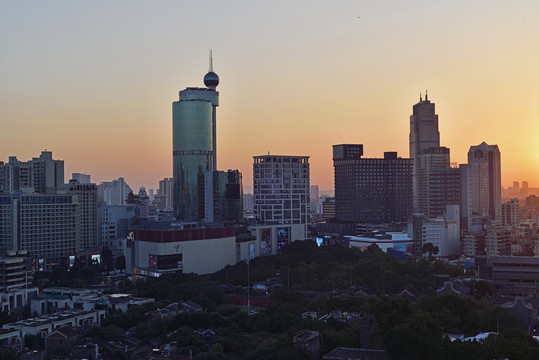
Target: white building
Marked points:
443	232
399	241
114	192
59	299
281	191
46	324
157	248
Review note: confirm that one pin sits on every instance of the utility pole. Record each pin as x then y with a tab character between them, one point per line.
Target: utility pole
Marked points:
248	292
288	277
382	274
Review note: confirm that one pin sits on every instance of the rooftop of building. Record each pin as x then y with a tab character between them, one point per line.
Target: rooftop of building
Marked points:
280	158
354	353
50	318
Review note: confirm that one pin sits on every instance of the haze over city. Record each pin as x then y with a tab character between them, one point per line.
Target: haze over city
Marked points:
94	82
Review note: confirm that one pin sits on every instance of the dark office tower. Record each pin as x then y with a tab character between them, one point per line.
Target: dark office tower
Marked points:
193	143
438	183
371	190
444	189
424	134
87	214
222	198
484	182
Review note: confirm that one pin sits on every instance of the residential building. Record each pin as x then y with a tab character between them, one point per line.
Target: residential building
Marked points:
47	226
510	212
46	324
15	271
498	242
42	175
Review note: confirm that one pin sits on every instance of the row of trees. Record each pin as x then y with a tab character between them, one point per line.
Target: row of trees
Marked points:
408	330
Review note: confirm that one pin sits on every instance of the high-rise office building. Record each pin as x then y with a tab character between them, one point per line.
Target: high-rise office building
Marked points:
484	184
281	189
371	190
438	183
222	200
193	143
424	134
87	214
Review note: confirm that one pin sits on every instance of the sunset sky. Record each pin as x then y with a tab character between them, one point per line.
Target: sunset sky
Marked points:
94	81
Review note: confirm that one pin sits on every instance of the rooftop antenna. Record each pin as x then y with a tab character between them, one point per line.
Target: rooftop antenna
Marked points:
426	95
211	62
420	98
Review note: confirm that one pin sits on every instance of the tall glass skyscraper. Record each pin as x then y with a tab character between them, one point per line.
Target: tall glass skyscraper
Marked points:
193	143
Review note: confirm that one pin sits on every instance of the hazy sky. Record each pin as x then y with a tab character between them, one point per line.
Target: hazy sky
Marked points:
93	81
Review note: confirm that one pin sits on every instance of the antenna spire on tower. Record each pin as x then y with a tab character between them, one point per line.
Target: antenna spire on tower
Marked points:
426	95
211	62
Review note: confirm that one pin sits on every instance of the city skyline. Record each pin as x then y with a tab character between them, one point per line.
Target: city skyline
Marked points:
94	86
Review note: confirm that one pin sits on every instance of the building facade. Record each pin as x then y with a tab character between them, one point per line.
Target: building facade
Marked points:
371	190
164	197
484	184
222	200
87	214
42	175
281	190
510	212
424	134
155	250
193	143
47	226
114	192
438	184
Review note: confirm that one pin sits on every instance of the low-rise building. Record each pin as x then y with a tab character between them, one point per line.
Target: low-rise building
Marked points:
57	299
46	324
158	248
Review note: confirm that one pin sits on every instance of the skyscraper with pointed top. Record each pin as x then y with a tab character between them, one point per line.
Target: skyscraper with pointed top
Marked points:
424	134
193	143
